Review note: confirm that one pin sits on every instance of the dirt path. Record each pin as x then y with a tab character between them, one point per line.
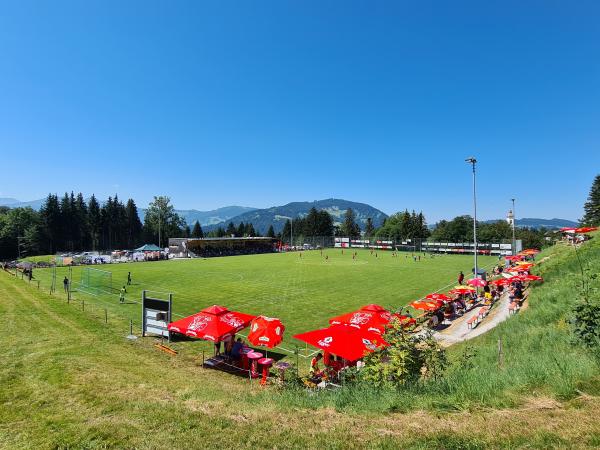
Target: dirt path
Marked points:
459	330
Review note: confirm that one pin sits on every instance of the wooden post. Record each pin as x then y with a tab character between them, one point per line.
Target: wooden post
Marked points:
105	315
83	304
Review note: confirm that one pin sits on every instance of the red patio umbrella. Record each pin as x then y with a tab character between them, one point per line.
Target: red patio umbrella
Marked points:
530	278
429	305
214	323
266	331
371	317
436	296
521	268
585	229
501	282
349	342
476	282
514	257
529	251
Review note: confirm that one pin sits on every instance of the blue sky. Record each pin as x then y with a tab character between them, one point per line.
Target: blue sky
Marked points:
262	103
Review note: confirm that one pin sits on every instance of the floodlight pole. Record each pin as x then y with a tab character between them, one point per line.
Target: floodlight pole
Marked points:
473	161
514	241
291	232
159	227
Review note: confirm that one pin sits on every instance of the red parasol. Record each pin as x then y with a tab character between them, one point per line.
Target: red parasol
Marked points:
436	296
212	324
371	317
349	342
585	229
530	278
428	305
514	257
266	332
501	282
462	290
529	251
476	282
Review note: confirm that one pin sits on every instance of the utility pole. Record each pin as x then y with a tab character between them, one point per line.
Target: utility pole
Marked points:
473	161
291	232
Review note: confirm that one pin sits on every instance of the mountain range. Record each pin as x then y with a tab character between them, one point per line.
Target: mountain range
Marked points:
207	218
261	219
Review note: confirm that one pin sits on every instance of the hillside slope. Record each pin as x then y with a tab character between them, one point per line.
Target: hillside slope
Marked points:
68	380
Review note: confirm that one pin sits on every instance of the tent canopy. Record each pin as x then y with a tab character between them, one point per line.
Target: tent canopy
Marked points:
148	248
343	340
214	323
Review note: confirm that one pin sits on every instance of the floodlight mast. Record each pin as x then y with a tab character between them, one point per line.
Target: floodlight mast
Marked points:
514	241
471	160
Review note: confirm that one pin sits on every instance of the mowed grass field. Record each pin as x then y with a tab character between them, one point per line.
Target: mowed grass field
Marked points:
303	289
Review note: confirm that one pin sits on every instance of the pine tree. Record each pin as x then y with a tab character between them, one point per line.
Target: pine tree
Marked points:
369	227
271	231
51	223
287	231
230	231
133	224
349	227
197	231
241	230
66	232
592	206
81	218
94	222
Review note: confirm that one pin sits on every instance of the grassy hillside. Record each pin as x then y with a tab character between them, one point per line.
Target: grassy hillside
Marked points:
69	380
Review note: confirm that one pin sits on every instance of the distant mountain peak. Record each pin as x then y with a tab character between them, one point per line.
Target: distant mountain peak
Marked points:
276	216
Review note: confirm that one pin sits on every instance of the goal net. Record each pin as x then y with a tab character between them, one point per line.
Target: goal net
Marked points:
96	281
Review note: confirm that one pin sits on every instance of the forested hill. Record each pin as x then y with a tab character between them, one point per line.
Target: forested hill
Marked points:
261	219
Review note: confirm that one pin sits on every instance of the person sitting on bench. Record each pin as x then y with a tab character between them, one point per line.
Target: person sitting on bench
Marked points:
236	350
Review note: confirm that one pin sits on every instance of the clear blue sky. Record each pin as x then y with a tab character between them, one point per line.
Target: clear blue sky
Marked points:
261	103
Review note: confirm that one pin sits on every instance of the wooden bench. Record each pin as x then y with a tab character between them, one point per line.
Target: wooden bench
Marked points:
473	322
483	312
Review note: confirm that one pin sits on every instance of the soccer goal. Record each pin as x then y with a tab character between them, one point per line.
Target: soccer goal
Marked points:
96	281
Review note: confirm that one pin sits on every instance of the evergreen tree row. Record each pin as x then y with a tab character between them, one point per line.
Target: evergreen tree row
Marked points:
71	224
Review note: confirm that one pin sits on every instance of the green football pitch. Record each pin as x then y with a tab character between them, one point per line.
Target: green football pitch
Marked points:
303	290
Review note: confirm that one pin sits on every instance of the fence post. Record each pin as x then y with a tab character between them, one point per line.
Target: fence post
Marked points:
105	315
83	304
